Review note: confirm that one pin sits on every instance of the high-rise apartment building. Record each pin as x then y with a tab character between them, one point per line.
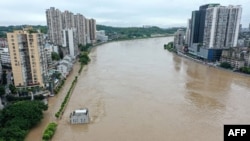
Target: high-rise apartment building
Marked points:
92	30
57	21
222	27
68	20
213	28
69	41
87	31
80	29
188	30
27	55
54	23
198	23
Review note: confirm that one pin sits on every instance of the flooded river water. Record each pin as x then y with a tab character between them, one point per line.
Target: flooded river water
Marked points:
137	91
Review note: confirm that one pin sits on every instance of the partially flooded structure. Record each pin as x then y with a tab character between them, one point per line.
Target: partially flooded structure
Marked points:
79	116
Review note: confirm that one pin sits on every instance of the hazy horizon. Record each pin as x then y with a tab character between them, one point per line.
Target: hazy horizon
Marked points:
122	13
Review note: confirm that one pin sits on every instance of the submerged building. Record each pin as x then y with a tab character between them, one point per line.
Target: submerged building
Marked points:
79	116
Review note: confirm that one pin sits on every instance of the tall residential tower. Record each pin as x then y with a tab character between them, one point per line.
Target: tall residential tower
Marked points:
54	23
213	28
28	58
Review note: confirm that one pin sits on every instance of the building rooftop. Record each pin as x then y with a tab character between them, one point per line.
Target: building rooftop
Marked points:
84	111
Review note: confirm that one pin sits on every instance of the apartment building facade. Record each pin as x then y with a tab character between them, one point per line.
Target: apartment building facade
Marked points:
92	30
58	21
80	29
28	59
213	28
54	23
70	41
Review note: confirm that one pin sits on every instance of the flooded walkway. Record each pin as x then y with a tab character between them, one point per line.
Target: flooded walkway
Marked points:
54	105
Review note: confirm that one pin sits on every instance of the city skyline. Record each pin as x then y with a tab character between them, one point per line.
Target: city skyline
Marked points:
127	13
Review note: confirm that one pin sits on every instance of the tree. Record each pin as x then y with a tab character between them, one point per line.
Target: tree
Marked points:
16	119
84	58
55	56
2	90
12	89
225	65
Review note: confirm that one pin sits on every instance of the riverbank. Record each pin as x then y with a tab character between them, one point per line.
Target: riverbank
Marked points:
131	39
214	65
64	96
54	104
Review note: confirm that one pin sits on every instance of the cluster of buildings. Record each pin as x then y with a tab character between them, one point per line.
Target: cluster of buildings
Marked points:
67	30
28	52
211	32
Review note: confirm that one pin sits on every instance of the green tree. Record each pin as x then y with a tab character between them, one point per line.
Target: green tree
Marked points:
2	90
16	119
55	56
225	65
12	89
84	58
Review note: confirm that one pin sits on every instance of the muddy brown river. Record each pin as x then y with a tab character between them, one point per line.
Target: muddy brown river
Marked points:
137	91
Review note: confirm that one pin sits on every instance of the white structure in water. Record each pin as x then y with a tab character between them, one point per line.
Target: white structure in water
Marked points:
79	116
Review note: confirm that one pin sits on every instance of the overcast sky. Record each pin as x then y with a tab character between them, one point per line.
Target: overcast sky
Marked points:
162	13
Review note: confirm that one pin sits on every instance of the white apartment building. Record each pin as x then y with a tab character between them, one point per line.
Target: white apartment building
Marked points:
222	26
70	41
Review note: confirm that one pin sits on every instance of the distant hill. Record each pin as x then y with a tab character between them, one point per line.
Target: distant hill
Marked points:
5	29
112	32
135	32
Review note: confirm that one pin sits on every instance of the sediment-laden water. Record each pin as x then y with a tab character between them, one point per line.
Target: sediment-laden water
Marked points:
137	91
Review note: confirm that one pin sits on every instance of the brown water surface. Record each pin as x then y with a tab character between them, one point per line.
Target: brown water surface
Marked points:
137	91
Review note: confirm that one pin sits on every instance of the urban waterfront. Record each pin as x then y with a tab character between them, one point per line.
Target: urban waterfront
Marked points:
136	90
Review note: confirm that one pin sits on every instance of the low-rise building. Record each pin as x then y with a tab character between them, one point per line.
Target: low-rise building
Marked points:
100	36
237	57
65	65
3	42
79	116
5	57
64	69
